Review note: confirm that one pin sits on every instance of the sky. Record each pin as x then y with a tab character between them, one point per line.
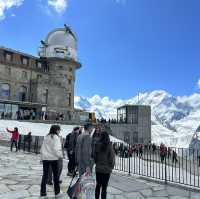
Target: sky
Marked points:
125	46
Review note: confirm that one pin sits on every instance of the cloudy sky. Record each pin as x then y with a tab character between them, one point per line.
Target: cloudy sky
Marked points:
125	46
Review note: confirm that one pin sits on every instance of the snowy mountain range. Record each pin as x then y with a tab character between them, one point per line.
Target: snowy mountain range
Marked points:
174	119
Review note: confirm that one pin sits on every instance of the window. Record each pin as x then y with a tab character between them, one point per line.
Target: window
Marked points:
69	81
24	61
122	115
24	75
39	64
69	99
135	115
61	67
59	53
22	92
8	57
5	91
135	137
70	69
46	96
1	110
65	76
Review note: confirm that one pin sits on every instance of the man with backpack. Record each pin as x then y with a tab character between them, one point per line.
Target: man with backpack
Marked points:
70	146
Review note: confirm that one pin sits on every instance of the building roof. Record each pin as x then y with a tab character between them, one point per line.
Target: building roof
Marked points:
18	52
133	105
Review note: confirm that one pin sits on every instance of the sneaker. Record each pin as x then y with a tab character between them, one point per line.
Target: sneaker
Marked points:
61	195
43	197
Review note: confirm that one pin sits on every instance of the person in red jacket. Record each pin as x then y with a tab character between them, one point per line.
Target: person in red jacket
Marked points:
14	138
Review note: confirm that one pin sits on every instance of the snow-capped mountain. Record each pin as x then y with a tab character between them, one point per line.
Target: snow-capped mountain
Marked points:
174	119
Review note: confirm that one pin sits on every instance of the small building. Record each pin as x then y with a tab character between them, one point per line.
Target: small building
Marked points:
133	124
84	116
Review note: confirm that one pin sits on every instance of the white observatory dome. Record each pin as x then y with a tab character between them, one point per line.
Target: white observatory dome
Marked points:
62	38
59	43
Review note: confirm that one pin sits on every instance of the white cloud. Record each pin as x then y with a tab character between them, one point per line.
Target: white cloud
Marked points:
7	4
58	5
198	83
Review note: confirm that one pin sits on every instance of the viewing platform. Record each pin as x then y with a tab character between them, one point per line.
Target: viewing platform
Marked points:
21	173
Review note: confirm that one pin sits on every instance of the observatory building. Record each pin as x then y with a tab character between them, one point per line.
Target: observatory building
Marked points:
43	84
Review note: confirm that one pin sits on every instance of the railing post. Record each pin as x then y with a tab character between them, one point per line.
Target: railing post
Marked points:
165	169
129	160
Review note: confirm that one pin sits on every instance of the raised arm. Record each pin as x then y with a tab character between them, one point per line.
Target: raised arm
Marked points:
9	130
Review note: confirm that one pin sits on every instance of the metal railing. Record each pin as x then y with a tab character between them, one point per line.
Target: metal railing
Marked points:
177	165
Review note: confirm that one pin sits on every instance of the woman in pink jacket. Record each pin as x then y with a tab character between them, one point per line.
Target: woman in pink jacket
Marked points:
14	138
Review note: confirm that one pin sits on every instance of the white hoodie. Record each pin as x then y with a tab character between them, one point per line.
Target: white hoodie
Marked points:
51	148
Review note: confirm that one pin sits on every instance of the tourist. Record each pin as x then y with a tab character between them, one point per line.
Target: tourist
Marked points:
198	157
51	152
2	115
174	157
154	148
141	150
163	152
105	160
84	150
70	146
33	115
19	142
28	140
14	138
60	166
95	138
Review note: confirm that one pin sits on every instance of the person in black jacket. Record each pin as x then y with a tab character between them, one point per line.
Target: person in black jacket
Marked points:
28	140
70	146
105	160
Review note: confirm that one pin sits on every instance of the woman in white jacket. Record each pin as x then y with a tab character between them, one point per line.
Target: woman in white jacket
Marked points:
51	152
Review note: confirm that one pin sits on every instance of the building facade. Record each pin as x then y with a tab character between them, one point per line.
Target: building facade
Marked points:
43	84
133	124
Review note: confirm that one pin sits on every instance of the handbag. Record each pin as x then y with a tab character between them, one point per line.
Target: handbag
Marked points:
74	190
87	184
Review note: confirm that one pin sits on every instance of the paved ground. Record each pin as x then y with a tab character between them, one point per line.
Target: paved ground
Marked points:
20	177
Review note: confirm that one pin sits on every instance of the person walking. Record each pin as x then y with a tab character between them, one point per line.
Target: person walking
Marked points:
51	152
105	160
28	140
83	154
70	146
14	138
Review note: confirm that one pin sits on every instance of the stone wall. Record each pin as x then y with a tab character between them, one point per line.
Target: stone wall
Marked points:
54	87
131	133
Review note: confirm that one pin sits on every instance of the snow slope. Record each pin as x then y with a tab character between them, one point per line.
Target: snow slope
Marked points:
39	129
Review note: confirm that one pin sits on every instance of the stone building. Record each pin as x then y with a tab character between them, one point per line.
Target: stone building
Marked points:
43	84
133	124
